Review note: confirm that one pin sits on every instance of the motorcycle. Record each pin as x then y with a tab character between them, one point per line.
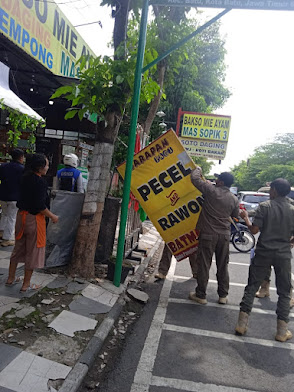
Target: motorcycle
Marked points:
242	239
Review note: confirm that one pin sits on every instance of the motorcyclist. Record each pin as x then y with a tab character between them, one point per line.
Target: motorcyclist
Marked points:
70	178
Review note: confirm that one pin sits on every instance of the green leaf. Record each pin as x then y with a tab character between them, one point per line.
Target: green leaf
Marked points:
119	79
70	114
61	91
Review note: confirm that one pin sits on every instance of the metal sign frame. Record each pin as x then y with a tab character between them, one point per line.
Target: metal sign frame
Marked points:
276	5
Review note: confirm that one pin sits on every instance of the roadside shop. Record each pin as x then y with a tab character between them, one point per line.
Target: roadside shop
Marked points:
39	49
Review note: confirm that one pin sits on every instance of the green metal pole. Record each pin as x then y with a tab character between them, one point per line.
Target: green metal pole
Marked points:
131	147
184	40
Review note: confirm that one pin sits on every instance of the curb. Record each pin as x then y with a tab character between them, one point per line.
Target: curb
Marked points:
76	376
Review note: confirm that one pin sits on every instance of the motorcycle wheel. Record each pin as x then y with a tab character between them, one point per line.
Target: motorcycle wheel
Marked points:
243	241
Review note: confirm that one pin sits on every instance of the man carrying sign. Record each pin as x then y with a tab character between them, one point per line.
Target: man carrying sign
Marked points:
215	230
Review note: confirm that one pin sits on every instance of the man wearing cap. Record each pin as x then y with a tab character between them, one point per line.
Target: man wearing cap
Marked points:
215	230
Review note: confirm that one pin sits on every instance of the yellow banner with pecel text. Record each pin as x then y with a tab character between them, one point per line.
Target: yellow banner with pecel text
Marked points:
161	183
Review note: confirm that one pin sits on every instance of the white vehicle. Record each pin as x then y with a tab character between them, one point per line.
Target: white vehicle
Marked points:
249	200
267	189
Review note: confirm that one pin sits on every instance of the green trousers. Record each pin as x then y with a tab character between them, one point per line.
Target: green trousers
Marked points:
258	270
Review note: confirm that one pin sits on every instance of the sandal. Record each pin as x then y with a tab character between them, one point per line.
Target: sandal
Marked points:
33	287
16	280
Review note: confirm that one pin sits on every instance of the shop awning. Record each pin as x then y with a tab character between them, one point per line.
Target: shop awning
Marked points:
12	100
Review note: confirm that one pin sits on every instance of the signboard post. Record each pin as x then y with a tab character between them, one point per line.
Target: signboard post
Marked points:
161	183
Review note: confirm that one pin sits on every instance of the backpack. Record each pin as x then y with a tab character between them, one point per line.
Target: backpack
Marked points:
68	179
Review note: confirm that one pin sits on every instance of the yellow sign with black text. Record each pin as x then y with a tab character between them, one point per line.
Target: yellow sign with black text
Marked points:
205	135
41	30
161	183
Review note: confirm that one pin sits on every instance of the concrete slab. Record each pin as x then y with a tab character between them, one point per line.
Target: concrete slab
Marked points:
2	389
30	373
42	279
4	254
138	295
8	353
7	303
12	291
75	287
7	308
59	282
109	286
47	301
68	323
8	300
4	264
24	310
99	294
58	348
87	307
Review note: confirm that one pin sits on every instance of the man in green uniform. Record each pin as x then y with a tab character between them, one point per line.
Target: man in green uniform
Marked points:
275	221
215	231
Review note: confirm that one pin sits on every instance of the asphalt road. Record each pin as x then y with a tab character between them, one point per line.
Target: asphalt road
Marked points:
177	345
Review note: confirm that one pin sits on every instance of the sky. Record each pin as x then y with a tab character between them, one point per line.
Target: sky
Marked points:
260	65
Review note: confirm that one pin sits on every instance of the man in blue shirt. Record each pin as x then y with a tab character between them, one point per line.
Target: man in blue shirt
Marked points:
70	178
10	177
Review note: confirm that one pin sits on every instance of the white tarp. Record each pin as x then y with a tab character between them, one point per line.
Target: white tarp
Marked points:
12	100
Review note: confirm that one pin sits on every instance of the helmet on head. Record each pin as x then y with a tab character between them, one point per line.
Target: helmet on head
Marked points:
70	160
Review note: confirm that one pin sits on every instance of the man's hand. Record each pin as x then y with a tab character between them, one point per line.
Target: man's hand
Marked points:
54	218
196	173
244	214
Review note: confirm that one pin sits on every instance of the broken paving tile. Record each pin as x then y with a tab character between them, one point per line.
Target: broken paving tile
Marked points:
75	287
8	306
80	280
138	295
68	323
8	353
42	279
47	301
48	319
99	294
59	282
87	307
30	372
24	310
109	286
56	348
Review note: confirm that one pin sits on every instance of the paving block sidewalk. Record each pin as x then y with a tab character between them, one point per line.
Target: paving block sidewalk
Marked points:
45	333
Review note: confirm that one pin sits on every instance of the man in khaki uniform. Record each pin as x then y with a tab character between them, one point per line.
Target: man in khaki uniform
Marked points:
215	231
275	221
165	263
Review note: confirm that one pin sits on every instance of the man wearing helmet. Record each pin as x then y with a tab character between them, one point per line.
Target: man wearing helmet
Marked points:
70	178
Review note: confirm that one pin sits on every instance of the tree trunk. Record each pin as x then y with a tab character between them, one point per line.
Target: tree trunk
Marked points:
155	103
120	27
82	263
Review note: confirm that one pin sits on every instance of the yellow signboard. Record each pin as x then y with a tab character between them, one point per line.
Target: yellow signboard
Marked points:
205	134
161	182
42	31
